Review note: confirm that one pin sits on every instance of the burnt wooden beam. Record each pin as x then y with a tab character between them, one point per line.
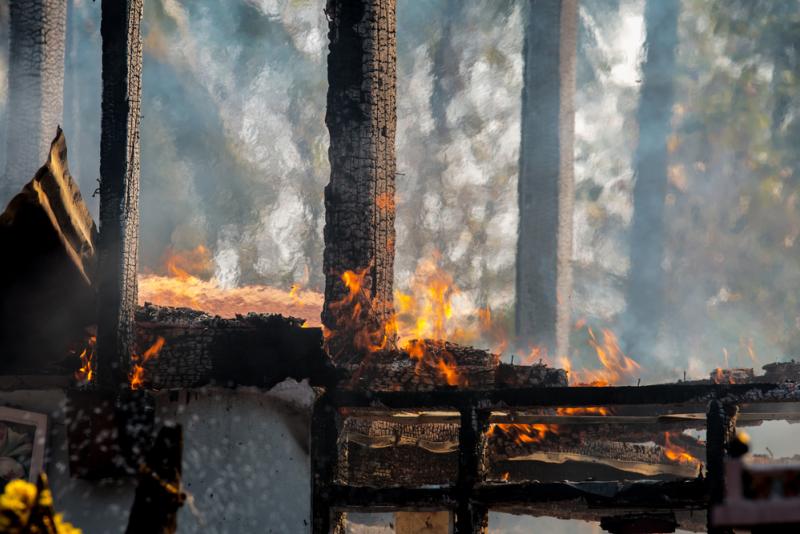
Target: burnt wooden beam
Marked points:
323	453
471	517
117	246
571	396
361	118
35	86
670	495
720	431
159	495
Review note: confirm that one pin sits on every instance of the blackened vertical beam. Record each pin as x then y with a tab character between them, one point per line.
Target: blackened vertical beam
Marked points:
323	463
720	430
471	517
119	188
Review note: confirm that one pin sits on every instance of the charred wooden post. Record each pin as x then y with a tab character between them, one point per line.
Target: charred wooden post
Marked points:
119	188
159	495
546	175
359	200
720	431
471	517
323	451
35	86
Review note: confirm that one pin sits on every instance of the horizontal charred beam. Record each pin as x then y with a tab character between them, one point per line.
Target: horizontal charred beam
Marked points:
253	350
571	396
608	495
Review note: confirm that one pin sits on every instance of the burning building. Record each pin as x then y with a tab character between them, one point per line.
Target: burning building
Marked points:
186	390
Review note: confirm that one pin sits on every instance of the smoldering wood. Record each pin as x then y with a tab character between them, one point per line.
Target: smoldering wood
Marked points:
248	350
662	394
359	200
159	494
35	86
117	244
546	175
472	368
47	236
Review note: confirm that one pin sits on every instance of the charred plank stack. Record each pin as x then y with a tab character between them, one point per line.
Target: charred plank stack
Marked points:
255	349
385	454
426	365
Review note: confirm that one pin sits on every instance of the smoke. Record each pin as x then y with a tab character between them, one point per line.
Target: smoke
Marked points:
234	157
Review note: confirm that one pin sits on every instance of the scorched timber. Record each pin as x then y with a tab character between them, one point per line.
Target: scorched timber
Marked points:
47	241
433	365
251	350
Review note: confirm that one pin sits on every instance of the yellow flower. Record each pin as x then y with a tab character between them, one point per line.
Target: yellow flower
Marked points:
18	497
62	527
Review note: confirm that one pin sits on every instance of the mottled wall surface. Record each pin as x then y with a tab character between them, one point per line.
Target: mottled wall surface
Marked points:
242	463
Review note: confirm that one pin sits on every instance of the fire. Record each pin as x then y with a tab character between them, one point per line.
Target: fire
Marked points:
585	410
184	285
182	264
719	376
616	366
505	476
86	371
136	376
677	453
523	433
449	372
352	313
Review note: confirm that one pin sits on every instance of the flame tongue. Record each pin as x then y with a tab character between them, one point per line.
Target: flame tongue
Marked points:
676	453
136	376
86	371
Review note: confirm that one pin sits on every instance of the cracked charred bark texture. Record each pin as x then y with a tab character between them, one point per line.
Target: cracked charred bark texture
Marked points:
359	200
645	291
35	87
546	181
119	187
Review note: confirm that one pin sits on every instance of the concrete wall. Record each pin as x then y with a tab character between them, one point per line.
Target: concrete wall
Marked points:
245	462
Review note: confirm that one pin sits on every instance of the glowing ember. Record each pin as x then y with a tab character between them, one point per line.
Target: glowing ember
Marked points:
523	433
86	372
677	453
136	376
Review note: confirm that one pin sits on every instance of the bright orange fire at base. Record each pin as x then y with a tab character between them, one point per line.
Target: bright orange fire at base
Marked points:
86	371
676	453
136	376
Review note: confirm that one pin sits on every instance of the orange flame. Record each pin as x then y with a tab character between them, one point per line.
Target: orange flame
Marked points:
180	264
677	453
616	366
136	377
449	372
86	371
584	410
185	285
523	433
